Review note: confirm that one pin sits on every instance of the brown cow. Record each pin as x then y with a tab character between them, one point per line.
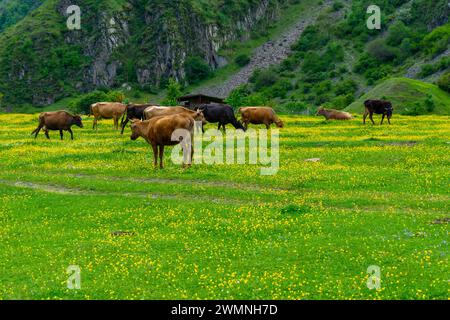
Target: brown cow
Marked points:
59	120
158	111
158	132
107	110
260	115
331	114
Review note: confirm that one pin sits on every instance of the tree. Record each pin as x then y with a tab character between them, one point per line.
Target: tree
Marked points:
444	82
1	98
196	70
242	60
173	93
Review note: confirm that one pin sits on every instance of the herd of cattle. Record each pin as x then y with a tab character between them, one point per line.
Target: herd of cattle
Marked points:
156	124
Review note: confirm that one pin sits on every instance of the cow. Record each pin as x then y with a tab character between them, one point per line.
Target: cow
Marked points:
134	111
378	107
58	120
157	111
107	110
159	132
331	114
260	115
220	113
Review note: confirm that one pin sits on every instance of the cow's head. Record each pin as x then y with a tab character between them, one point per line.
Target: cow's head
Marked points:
279	123
320	111
200	117
239	125
77	121
135	129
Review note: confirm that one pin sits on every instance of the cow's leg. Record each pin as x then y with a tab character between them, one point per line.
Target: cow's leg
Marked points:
389	120
382	119
124	124
71	133
219	126
155	155
267	126
95	125
161	156
371	118
365	117
61	134
46	133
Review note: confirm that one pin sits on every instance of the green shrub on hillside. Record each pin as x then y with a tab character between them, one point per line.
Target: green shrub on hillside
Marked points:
196	70
438	40
242	60
84	102
173	93
444	82
264	78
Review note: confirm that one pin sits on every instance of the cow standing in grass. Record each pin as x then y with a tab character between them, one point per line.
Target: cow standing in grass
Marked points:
159	132
57	121
378	107
222	114
107	110
260	115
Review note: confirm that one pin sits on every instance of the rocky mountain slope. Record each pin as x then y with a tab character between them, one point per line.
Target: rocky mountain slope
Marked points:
135	41
269	54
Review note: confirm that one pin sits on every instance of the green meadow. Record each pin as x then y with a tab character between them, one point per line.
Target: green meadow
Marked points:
379	196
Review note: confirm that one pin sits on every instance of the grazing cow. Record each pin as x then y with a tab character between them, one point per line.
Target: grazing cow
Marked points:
107	110
158	132
378	107
260	115
59	120
222	114
134	111
331	114
158	111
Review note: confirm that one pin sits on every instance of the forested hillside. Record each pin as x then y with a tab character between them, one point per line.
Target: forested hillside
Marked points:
139	42
338	59
12	11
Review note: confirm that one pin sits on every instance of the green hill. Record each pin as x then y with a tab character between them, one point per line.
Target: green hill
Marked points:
404	94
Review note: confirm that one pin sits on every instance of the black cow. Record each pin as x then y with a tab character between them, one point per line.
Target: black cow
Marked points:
222	114
134	111
378	107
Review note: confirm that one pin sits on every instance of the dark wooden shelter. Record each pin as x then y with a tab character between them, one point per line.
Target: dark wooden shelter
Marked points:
193	100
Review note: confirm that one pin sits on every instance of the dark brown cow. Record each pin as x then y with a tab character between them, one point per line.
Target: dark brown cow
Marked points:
59	120
134	111
378	107
260	115
158	132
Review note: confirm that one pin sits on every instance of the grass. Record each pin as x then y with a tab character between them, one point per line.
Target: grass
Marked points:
226	232
404	93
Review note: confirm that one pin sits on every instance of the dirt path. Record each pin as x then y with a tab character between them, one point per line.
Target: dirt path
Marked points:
270	53
65	190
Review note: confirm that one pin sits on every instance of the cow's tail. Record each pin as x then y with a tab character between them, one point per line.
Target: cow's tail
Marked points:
123	118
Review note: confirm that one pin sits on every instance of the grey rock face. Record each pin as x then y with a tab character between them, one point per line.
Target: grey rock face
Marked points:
270	53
